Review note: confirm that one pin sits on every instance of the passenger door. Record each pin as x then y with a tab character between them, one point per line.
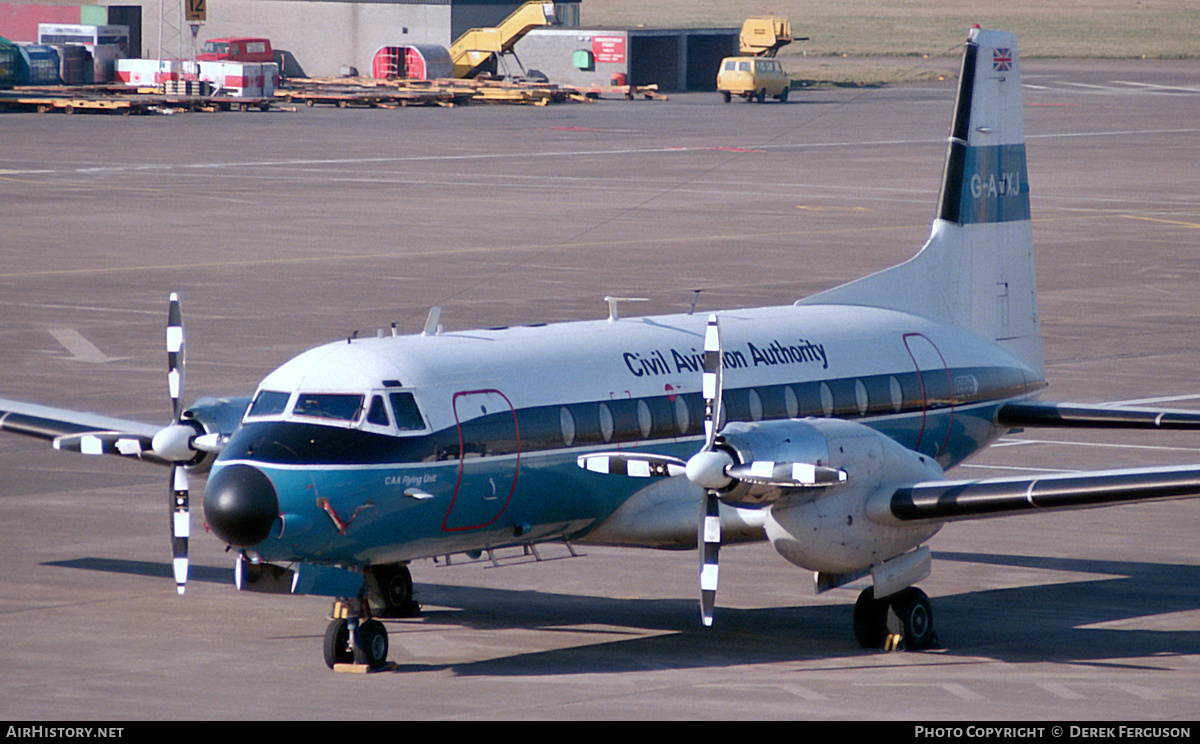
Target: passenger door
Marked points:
489	459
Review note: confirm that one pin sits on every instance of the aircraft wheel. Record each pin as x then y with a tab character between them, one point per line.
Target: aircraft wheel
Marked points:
870	619
393	592
371	644
337	643
909	614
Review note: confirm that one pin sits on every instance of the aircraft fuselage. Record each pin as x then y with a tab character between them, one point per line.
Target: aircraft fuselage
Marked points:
472	443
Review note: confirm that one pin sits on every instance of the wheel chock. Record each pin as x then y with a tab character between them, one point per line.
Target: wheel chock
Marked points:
362	668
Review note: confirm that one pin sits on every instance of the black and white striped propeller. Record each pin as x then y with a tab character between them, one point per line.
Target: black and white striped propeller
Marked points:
181	444
173	443
713	469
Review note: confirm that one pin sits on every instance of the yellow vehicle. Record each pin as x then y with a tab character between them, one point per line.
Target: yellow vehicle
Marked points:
753	78
476	48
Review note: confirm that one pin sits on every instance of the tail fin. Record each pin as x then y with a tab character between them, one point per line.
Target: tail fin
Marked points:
976	271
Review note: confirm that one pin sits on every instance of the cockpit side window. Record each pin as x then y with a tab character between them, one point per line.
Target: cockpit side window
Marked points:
377	413
269	403
408	416
337	406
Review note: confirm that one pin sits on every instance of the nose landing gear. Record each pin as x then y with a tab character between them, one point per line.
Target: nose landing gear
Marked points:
354	637
352	640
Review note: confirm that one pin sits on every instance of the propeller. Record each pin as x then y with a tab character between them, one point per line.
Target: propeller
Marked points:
713	469
180	518
180	444
707	469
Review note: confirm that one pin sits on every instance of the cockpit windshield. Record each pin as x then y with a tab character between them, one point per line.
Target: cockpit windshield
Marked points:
269	403
355	409
408	416
337	406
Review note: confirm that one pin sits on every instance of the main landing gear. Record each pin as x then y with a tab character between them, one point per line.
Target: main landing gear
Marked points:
905	616
353	635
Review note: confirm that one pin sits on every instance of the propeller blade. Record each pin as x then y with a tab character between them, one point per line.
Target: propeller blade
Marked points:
104	443
786	474
710	548
633	464
712	383
175	355
181	525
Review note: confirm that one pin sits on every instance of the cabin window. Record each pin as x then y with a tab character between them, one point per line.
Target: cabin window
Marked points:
897	394
790	401
567	422
756	406
861	397
607	426
682	419
269	403
408	416
377	413
336	406
645	420
826	400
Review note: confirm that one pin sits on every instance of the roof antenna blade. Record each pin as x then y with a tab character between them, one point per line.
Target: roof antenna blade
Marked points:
613	313
431	323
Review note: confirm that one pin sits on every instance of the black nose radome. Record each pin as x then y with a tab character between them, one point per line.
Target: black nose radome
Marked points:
240	505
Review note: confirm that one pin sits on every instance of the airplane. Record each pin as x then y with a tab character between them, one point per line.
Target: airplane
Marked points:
825	427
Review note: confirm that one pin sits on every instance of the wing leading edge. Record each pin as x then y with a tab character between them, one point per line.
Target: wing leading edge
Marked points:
1080	415
949	501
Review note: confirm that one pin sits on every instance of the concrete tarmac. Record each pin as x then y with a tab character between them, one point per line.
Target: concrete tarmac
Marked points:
283	230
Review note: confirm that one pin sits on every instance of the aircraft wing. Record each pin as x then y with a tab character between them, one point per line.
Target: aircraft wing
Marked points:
1082	415
78	431
948	501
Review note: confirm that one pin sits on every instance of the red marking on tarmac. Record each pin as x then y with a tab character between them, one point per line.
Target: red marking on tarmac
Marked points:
579	129
726	149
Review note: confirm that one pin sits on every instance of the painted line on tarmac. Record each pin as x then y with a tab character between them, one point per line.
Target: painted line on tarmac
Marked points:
293	162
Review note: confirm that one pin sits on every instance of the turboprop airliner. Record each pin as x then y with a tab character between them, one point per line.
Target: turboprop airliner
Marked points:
825	426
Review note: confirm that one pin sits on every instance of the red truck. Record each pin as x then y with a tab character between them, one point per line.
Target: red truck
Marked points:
236	50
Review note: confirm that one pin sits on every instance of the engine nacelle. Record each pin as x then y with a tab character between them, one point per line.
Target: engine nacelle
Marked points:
828	530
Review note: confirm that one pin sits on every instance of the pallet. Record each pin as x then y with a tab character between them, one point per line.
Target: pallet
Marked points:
343	92
65	100
337	92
